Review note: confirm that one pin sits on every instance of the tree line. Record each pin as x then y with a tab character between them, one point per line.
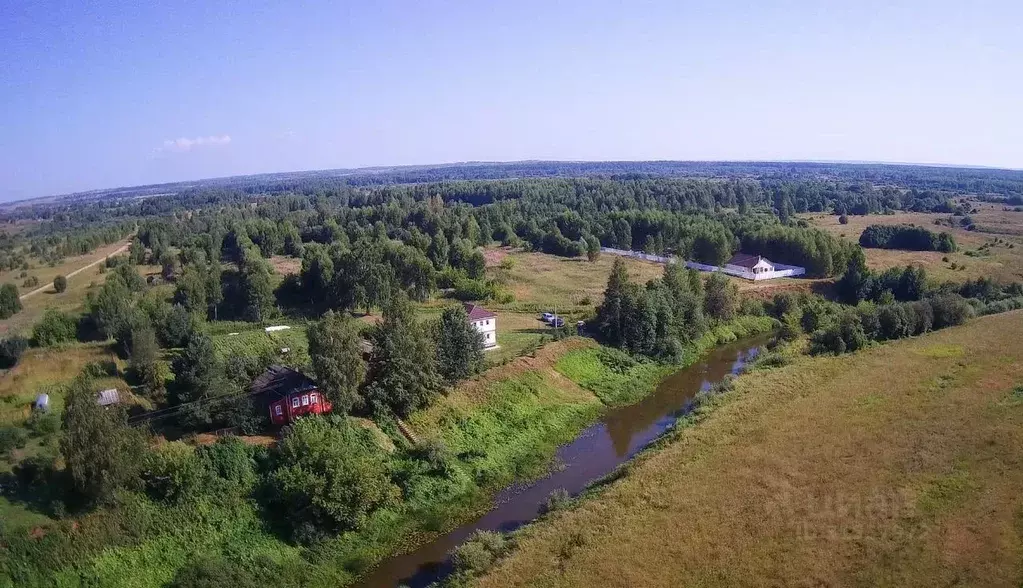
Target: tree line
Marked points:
909	237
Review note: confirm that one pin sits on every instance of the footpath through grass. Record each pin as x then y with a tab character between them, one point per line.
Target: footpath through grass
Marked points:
896	466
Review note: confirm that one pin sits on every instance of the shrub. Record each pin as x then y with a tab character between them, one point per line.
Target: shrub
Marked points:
950	310
469	289
173	472
844	336
12	438
843	219
10	303
60	284
791	328
11	351
231	464
35	472
479	552
30	282
772	360
100	369
43	424
214	573
752	307
54	328
616	360
557	500
328	476
437	455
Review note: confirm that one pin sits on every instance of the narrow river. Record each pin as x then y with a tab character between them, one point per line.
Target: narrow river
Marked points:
594	453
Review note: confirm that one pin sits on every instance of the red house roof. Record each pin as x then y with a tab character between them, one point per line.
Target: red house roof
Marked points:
477	312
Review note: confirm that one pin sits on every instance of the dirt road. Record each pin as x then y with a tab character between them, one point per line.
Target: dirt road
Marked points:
79	270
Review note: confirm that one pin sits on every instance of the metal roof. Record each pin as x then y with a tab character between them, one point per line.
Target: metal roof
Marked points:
477	312
279	380
108	397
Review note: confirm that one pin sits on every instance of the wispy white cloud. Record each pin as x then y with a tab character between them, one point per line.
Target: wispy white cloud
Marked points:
184	144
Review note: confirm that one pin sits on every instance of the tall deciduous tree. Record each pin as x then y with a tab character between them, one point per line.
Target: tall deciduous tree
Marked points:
402	366
459	346
257	288
102	454
592	248
336	354
109	308
328	475
190	290
721	297
854	284
144	362
196	377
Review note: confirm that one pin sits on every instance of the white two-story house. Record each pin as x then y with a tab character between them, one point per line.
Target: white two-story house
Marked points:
485	322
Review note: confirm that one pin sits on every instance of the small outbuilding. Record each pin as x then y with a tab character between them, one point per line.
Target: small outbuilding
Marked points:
287	394
42	403
108	397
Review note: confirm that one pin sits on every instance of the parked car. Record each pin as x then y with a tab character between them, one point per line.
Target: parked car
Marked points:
558	322
547	317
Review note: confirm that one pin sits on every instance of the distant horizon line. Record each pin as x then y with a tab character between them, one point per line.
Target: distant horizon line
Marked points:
369	168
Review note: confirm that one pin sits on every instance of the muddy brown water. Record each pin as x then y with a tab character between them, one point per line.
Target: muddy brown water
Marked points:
600	448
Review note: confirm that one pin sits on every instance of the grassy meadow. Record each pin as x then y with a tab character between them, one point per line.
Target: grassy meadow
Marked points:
979	254
895	466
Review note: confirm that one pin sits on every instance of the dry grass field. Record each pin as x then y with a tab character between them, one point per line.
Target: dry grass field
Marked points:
998	261
896	466
546	280
78	286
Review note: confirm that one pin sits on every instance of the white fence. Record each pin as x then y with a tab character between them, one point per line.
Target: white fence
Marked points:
781	270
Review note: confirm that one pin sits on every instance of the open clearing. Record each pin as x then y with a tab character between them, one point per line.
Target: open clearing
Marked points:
896	466
83	273
999	261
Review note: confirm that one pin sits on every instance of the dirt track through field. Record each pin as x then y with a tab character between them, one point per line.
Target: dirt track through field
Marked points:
79	270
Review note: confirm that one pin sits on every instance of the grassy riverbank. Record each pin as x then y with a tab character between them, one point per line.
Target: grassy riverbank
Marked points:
505	425
898	465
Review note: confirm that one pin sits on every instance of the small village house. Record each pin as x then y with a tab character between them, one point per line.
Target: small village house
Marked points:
485	322
754	264
287	394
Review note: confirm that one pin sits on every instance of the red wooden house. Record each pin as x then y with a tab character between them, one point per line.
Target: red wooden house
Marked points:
288	394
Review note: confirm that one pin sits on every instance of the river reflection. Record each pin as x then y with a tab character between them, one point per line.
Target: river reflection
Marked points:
594	453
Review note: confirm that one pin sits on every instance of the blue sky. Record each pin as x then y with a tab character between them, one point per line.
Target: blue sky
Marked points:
103	94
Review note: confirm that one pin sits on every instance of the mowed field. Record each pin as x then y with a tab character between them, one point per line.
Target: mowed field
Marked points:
896	466
997	261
